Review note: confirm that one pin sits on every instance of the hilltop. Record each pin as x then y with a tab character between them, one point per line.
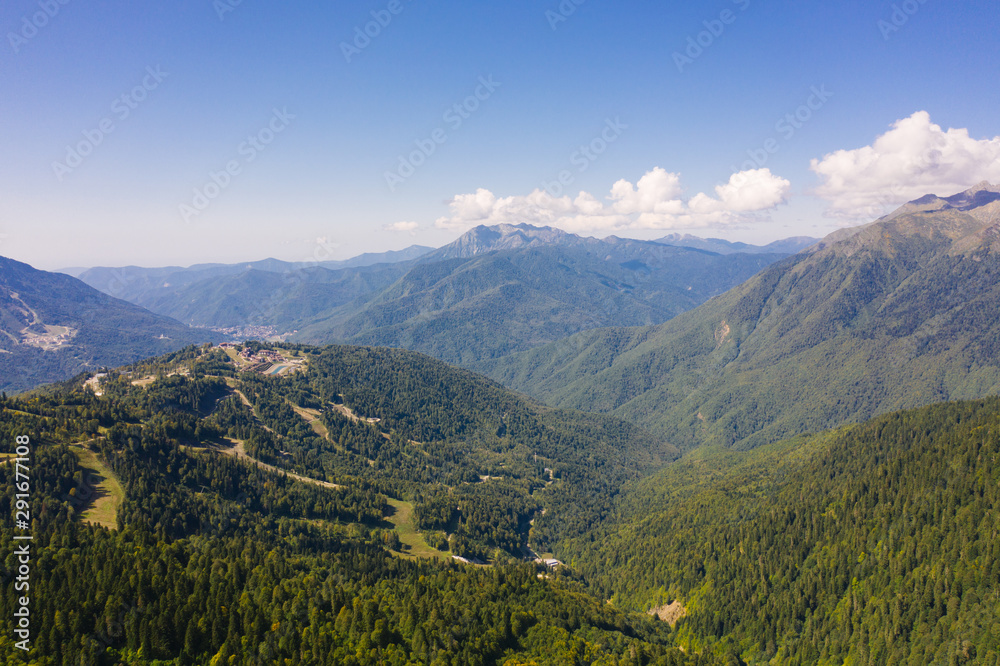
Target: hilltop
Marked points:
316	513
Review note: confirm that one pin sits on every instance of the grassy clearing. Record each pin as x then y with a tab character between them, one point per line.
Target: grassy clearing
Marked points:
107	494
311	416
406	528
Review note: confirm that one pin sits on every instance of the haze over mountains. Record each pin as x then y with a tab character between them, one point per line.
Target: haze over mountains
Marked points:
493	291
784	246
137	284
895	314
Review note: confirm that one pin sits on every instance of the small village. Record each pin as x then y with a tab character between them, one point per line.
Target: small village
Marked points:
54	338
249	332
263	361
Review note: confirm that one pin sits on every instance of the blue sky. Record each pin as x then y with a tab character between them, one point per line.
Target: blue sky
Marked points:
309	129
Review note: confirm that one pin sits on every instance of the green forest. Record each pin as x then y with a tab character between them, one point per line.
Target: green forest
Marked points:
256	526
874	544
218	560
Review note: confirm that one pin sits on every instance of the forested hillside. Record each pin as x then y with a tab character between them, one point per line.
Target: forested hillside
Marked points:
254	518
875	544
897	314
53	326
213	558
444	430
462	306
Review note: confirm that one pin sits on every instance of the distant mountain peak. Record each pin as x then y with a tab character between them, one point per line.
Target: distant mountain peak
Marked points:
483	239
524	231
985	185
981	195
976	201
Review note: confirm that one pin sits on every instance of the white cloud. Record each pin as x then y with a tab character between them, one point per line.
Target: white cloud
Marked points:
656	192
753	190
483	207
654	202
402	226
914	158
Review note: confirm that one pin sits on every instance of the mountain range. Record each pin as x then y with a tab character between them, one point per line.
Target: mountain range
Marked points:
720	246
800	470
142	285
522	286
493	291
503	289
894	314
